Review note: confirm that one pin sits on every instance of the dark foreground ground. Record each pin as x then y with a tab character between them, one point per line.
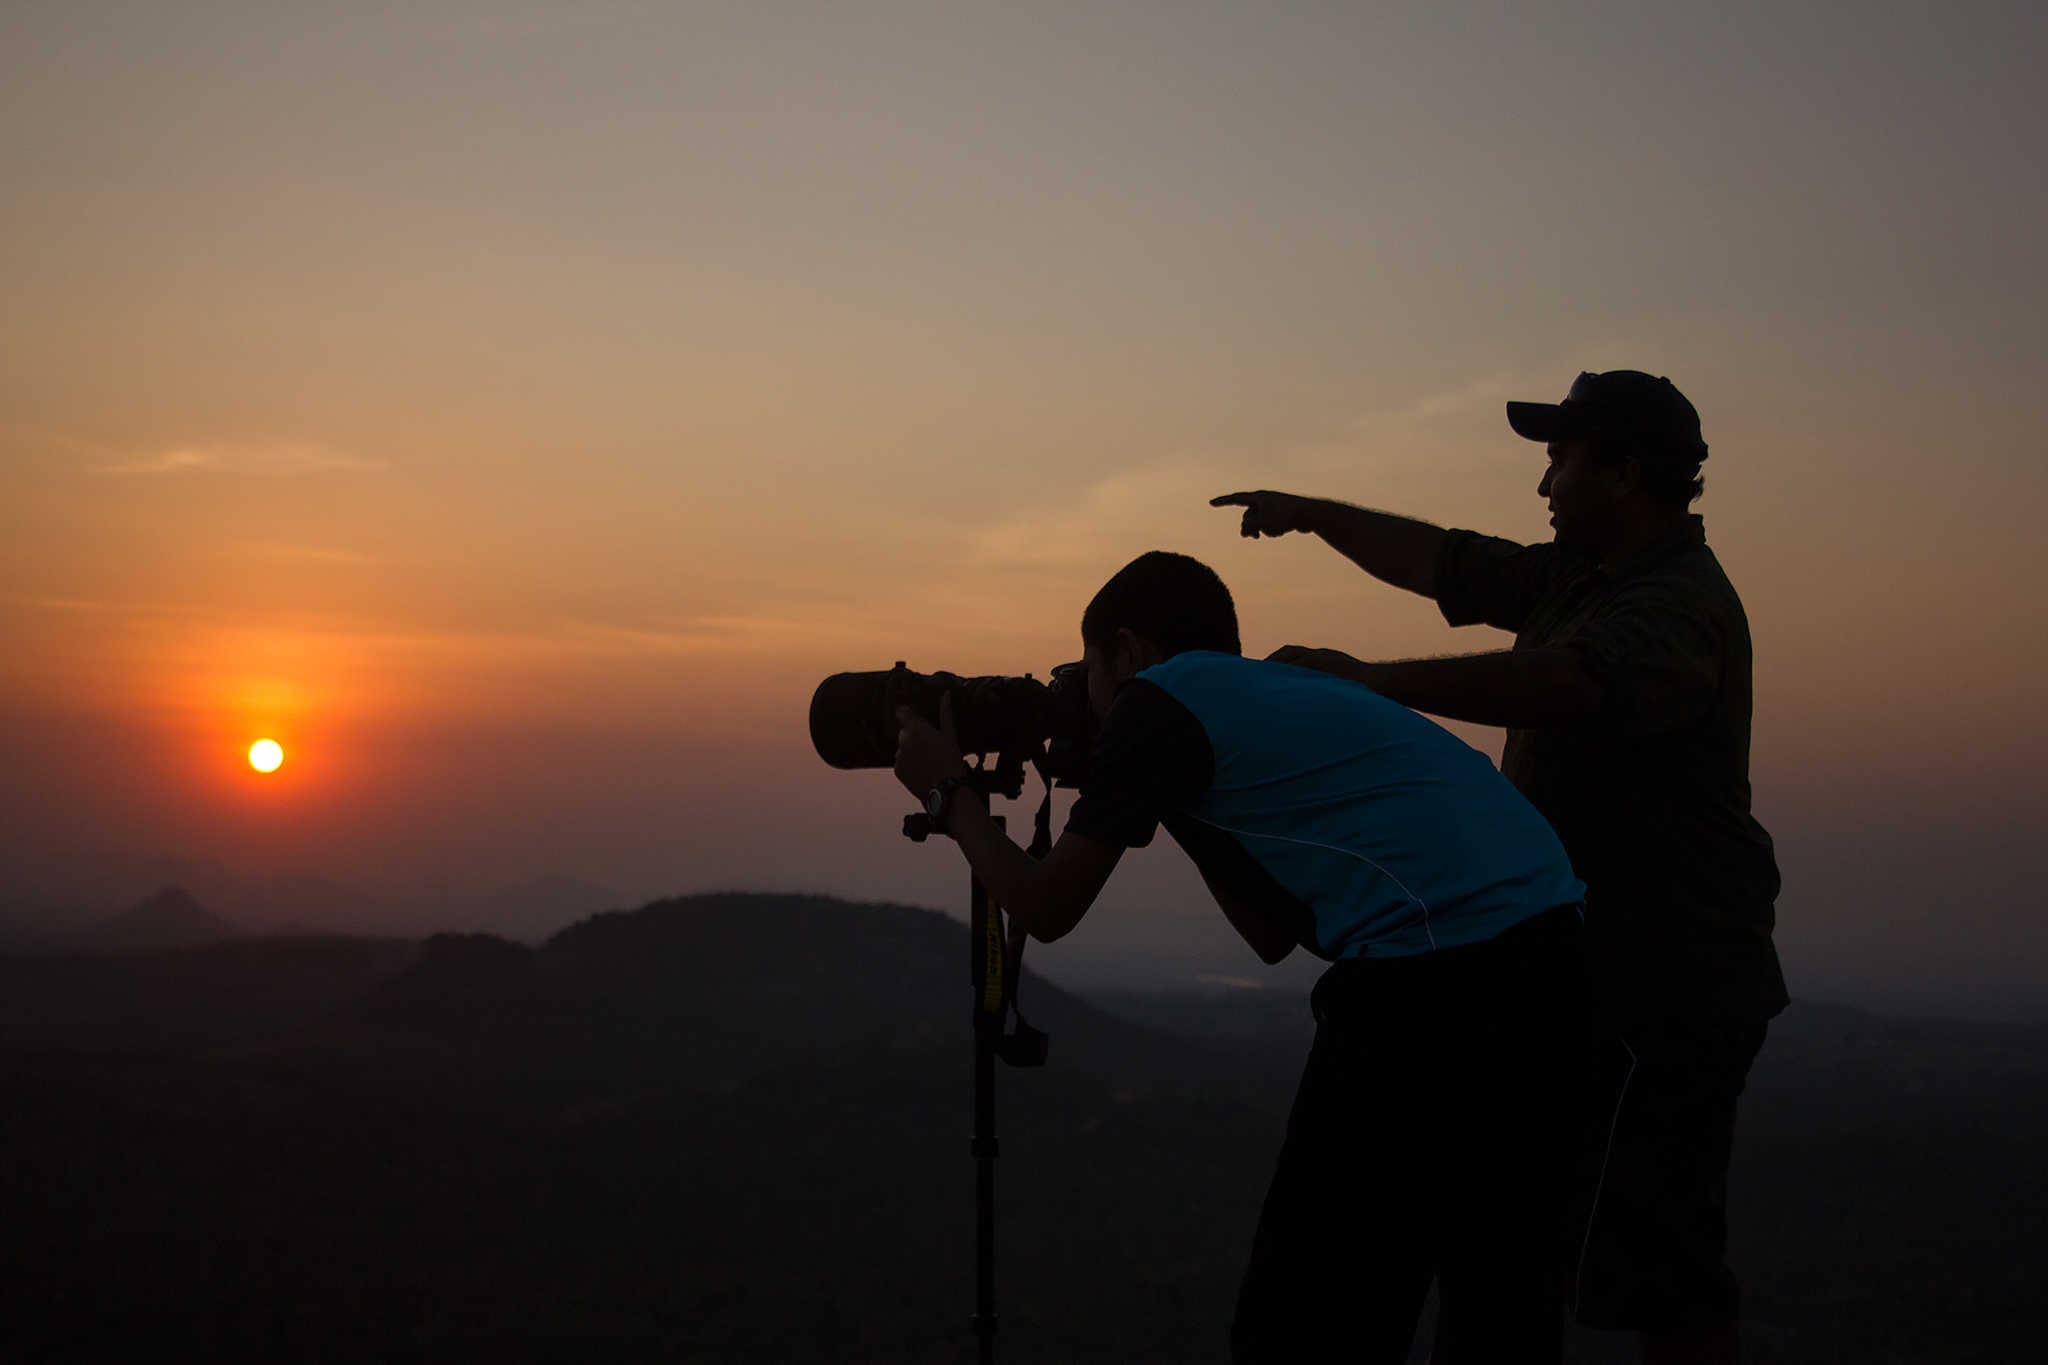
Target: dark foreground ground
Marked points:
733	1129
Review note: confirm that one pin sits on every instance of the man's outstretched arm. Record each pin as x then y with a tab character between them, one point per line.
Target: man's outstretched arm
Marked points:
1394	549
1523	689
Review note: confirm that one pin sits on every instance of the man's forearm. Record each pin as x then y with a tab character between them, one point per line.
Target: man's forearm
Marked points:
1397	550
1519	689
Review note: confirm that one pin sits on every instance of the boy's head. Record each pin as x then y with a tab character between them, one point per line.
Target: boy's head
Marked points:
1158	605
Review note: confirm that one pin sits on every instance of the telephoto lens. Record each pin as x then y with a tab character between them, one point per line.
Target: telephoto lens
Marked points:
853	720
853	716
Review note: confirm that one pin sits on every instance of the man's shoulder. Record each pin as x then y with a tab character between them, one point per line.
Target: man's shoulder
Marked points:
1468	549
1692	575
1498	582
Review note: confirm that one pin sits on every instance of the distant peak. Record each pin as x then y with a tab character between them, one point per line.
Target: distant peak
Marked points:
170	917
171	899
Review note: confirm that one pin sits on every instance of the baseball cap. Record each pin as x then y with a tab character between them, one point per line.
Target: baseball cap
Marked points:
1616	403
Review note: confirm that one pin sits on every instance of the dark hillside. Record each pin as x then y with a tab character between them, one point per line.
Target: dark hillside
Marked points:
725	1128
734	1128
236	994
711	992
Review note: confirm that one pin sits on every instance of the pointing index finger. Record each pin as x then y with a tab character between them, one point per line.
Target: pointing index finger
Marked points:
1232	500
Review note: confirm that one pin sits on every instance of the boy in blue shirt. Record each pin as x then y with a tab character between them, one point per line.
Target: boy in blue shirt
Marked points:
1432	1132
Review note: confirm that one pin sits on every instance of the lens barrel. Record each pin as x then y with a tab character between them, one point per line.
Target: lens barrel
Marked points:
854	725
853	719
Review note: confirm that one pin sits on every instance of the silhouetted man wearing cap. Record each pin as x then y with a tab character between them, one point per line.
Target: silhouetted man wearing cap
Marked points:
1627	703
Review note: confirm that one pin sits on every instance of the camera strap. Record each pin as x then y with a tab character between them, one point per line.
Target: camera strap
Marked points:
1025	1045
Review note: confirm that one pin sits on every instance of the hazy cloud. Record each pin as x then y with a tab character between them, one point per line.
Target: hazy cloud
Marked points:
533	23
1165	504
71	604
1487	392
280	460
1157	504
278	552
689	636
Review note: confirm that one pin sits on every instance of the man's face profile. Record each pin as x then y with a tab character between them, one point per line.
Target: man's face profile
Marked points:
1583	493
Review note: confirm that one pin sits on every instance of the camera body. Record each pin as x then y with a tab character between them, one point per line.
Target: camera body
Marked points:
1017	720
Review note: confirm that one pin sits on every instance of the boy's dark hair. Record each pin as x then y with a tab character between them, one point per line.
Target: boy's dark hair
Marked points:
1176	602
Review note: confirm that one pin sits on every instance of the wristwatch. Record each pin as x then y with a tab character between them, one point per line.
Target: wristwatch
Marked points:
939	799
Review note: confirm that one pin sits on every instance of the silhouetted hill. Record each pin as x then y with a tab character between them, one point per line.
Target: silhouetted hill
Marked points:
533	910
170	918
734	1128
711	992
721	1128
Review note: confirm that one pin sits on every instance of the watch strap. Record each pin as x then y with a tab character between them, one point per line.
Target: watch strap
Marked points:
939	803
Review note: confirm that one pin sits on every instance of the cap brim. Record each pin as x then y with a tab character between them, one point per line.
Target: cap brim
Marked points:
1542	421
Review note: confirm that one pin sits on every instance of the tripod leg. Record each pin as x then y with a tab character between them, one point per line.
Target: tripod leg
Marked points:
985	928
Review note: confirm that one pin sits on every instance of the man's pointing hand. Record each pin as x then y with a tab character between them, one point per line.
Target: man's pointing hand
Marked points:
1271	514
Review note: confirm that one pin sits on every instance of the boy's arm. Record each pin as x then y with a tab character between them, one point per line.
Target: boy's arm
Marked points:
1045	898
1270	935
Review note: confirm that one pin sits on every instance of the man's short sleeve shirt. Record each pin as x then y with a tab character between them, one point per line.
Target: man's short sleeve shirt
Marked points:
1652	797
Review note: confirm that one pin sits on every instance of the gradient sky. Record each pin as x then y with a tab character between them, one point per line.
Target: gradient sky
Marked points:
516	410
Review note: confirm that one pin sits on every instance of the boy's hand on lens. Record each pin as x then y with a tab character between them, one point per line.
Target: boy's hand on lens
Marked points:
927	753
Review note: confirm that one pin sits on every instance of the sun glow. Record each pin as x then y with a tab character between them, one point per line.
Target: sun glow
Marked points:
265	755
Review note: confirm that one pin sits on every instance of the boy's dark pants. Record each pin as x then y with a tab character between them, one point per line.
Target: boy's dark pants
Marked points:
1431	1138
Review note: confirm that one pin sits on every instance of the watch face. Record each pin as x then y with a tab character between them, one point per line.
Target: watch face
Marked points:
935	803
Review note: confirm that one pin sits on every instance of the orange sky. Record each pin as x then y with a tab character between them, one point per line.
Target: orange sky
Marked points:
516	414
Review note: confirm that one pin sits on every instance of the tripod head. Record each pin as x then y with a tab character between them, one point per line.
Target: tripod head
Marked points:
1005	778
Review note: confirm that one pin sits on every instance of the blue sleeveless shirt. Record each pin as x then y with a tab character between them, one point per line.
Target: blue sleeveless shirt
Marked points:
1397	836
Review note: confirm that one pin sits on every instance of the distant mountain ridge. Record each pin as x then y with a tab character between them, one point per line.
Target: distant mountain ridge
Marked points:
713	988
170	918
47	897
719	988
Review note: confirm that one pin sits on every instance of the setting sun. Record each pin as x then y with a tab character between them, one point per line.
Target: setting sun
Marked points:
265	755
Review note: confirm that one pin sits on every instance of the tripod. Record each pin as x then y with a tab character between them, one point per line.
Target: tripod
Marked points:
994	967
